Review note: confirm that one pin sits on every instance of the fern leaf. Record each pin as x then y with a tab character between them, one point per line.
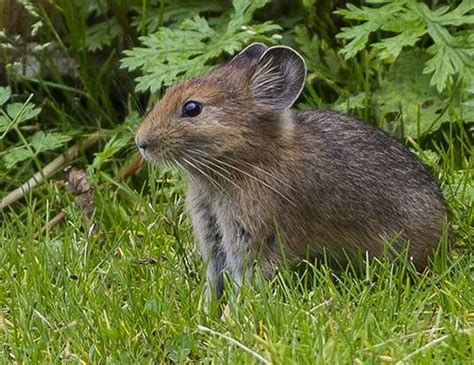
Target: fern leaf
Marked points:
102	35
188	49
42	141
452	52
5	93
21	113
16	155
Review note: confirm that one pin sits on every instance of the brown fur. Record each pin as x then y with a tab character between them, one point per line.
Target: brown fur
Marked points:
316	181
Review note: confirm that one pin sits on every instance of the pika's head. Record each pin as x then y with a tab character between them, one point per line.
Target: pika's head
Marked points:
233	111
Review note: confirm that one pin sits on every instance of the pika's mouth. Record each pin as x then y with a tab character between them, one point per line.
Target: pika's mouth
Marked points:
147	150
154	156
191	160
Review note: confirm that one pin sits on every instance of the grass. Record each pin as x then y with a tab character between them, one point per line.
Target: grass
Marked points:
133	293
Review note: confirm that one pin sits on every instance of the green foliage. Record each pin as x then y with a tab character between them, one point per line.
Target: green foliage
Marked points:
5	93
121	137
452	51
406	90
322	61
402	65
184	38
174	12
20	112
12	116
187	49
39	142
102	35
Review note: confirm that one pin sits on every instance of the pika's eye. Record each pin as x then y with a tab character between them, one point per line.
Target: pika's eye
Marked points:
191	109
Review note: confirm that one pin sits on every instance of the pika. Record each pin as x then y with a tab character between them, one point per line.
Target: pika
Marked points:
319	182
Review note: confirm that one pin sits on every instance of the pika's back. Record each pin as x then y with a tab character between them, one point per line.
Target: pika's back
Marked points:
361	177
361	149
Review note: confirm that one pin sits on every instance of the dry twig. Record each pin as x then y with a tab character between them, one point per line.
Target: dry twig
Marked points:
85	202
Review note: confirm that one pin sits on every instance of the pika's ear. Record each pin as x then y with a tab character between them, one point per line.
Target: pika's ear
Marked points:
250	53
279	78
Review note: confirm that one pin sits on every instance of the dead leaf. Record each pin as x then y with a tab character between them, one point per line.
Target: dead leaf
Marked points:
77	183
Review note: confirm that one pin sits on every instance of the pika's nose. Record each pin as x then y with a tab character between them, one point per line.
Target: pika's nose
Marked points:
141	144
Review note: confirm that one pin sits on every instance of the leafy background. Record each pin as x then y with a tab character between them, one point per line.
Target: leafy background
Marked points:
76	77
403	65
